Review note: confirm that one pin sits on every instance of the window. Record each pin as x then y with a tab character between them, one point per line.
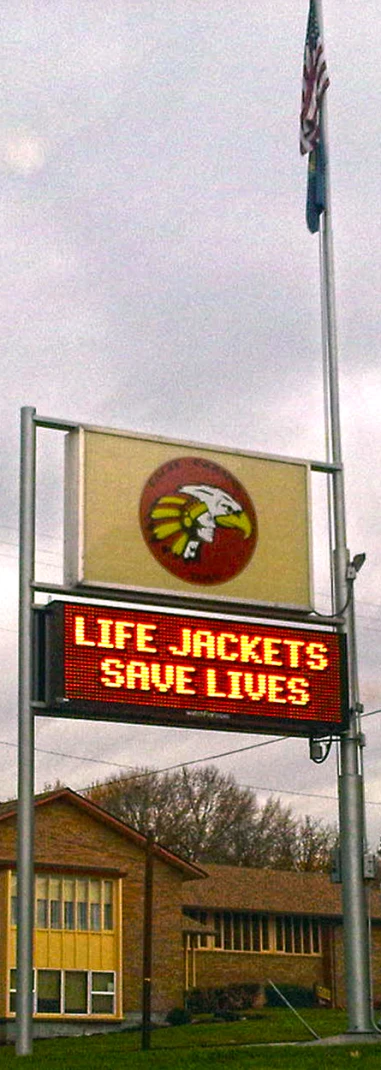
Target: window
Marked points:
55	903
13	990
75	992
68	898
245	931
48	991
102	993
69	903
107	905
82	913
95	905
297	936
202	917
69	992
239	931
42	902
13	899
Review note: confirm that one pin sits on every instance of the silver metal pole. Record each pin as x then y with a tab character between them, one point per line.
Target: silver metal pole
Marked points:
350	782
25	882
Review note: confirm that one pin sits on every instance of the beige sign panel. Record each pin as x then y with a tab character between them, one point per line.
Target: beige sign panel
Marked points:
146	514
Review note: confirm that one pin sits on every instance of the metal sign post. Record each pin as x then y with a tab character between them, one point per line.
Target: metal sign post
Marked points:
25	889
352	831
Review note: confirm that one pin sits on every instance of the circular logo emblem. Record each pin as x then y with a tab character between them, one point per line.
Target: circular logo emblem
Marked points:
198	520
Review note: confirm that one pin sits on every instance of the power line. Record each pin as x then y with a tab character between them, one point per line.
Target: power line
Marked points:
178	765
304	794
73	757
196	761
120	765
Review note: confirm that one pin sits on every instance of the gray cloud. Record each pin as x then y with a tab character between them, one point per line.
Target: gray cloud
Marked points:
157	274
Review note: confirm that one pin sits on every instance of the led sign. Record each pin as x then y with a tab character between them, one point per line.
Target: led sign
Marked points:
152	667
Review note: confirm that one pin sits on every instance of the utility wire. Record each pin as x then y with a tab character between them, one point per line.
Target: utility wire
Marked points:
178	765
120	765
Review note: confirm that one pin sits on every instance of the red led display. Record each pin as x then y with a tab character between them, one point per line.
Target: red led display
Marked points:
157	667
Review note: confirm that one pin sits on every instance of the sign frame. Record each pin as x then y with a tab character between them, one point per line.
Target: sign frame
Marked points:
202	712
154	581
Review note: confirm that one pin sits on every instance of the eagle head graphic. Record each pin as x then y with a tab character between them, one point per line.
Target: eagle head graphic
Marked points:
192	514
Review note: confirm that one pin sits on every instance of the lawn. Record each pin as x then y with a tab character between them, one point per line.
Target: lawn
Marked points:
203	1046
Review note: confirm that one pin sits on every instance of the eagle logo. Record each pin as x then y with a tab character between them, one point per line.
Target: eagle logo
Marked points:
204	532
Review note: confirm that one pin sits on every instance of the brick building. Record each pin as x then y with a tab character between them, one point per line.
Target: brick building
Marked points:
212	926
262	924
89	894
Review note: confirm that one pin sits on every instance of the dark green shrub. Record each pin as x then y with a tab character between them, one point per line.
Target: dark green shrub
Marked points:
297	995
235	997
178	1016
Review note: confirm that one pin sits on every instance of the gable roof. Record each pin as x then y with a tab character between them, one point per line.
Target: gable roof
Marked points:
189	870
270	891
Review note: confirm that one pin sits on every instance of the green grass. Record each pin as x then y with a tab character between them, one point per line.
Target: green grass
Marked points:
204	1047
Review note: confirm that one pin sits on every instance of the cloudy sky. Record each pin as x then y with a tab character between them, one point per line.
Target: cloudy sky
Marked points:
158	276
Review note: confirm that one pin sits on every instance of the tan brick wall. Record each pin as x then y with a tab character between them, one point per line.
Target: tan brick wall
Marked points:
339	969
217	968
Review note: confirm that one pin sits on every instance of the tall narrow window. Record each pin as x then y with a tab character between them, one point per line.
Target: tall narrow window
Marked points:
95	904
228	934
68	898
297	936
107	905
306	936
13	899
265	934
82	904
256	933
288	935
237	932
279	934
218	934
55	903
42	901
203	917
246	932
315	936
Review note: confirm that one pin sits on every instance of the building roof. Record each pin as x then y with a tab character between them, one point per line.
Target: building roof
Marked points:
190	926
189	870
269	891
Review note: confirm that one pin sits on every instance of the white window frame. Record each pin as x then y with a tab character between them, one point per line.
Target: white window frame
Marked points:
89	1013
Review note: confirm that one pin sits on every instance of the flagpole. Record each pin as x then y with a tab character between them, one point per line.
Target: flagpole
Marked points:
350	786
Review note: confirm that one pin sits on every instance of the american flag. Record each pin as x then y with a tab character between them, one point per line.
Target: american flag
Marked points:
315	83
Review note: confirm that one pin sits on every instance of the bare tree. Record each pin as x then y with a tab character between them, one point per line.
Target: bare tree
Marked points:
205	816
315	844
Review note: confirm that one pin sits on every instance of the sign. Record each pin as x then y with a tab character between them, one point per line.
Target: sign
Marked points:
196	671
144	514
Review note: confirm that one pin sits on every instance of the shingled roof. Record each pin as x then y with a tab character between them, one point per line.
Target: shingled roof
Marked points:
270	891
189	870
